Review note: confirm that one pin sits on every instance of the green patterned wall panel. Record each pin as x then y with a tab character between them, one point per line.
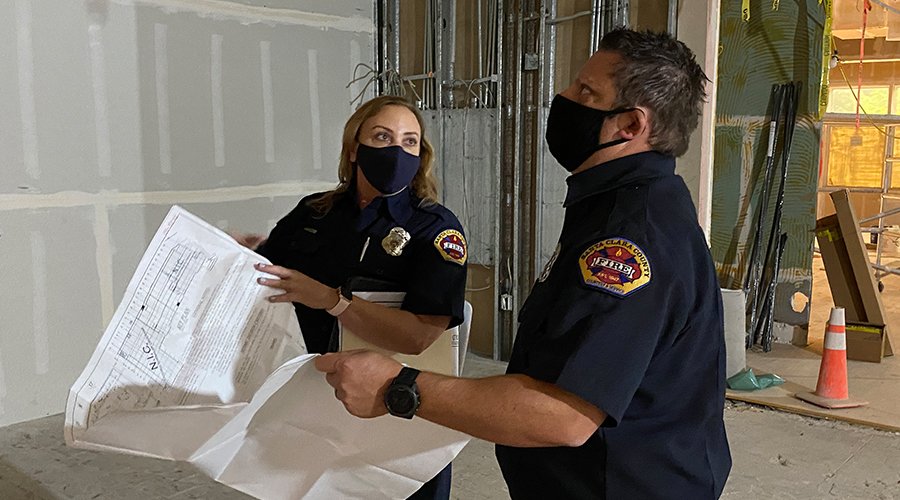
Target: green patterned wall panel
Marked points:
774	47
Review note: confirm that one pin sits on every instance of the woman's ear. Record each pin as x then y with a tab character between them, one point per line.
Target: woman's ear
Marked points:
353	154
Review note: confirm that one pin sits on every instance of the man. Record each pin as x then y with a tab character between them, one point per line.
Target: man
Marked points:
615	388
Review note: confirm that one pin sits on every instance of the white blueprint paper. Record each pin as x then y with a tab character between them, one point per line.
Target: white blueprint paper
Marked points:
192	342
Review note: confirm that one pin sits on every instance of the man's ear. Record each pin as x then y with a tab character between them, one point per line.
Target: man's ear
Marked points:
633	123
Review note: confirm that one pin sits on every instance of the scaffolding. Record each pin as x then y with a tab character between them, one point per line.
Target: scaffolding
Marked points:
881	270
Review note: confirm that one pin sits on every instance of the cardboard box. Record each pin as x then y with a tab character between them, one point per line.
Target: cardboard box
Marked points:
866	342
849	271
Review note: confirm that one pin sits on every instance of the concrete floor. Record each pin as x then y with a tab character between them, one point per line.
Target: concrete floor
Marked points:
776	456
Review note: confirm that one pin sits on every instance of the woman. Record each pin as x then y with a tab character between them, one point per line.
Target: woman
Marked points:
383	223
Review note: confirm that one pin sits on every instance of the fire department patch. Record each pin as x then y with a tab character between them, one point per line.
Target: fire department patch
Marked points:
452	246
616	265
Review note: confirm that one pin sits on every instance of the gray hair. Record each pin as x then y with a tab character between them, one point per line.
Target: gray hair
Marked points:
659	73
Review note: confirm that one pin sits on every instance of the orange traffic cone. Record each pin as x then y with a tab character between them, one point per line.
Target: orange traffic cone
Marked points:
831	389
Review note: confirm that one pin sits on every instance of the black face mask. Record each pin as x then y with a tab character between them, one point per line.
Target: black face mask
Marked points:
389	170
573	130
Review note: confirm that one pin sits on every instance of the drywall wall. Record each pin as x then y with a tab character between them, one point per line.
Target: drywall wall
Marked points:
115	110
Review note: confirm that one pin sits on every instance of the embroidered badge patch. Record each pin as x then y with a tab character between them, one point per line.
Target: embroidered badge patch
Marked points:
616	265
452	246
546	272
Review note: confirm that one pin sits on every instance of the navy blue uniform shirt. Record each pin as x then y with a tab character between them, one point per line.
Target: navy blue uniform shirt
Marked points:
347	242
628	316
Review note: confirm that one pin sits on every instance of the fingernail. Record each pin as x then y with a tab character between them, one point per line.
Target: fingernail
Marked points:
260	281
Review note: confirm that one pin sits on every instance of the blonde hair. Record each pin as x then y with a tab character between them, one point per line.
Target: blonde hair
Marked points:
423	185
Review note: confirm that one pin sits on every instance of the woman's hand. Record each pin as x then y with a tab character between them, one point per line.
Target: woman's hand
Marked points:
297	287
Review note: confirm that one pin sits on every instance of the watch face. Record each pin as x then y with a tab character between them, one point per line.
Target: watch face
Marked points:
400	401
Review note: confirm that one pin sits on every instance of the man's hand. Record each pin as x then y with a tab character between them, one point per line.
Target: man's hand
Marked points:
360	379
297	287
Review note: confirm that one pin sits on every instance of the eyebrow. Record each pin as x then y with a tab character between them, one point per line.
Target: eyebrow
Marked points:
411	132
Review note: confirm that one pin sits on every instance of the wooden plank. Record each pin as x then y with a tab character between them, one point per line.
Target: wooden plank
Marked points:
859	260
786	403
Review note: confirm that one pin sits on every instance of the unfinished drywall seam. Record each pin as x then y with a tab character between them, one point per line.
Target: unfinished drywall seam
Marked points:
104	262
218	100
312	56
25	60
221	10
69	199
39	303
161	57
265	67
101	114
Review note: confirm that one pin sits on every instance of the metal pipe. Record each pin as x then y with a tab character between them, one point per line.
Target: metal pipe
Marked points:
542	39
672	20
481	71
792	95
438	90
596	20
551	53
768	332
426	55
496	26
395	35
887	270
556	20
516	166
381	47
753	277
447	26
881	215
885	187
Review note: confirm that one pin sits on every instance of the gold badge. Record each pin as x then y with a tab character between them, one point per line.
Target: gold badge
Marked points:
394	242
452	246
616	265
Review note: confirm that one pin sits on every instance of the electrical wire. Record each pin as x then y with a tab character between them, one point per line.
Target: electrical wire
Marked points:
850	86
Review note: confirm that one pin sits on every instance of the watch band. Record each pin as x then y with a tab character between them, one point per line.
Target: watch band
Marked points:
407	376
341	306
402	397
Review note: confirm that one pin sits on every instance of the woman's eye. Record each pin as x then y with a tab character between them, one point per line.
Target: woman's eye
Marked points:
382	136
412	141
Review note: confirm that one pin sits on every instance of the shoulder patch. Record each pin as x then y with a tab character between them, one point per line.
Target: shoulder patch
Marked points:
451	244
615	265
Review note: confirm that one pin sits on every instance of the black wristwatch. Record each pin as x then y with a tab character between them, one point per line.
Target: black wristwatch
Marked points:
402	396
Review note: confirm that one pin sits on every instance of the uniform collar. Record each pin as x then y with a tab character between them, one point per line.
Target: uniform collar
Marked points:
617	173
397	207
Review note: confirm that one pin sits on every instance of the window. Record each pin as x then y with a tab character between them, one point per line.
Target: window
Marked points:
873	99
855	157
